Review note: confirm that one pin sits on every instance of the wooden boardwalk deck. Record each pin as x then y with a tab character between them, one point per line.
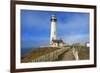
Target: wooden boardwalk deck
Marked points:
68	56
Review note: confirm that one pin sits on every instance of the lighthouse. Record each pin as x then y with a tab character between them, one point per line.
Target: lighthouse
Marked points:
54	42
53	28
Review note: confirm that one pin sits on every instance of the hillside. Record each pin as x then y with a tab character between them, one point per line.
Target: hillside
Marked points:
64	54
35	53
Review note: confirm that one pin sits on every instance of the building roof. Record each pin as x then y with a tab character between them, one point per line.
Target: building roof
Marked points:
58	41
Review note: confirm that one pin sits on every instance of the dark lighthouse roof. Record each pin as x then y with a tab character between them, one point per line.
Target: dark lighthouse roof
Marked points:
53	18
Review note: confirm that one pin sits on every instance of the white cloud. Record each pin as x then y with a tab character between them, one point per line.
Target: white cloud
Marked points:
77	38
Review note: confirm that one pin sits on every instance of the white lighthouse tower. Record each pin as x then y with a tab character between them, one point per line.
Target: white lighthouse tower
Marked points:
54	42
53	28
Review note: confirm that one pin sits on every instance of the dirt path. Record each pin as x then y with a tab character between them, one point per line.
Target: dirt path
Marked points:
68	56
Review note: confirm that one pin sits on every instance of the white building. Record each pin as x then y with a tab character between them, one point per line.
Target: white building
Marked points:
87	44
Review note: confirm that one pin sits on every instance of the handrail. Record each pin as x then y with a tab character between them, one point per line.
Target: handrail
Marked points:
52	56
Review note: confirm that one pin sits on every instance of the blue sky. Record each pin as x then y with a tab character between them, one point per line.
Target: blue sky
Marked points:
72	27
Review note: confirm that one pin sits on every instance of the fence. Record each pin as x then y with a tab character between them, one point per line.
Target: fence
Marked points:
52	56
75	53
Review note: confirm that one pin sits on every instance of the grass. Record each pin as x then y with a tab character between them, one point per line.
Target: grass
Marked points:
37	52
83	53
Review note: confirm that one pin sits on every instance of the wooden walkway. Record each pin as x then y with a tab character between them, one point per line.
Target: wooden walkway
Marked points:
68	56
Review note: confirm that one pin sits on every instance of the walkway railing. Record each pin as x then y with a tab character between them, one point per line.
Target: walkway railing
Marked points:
52	56
75	53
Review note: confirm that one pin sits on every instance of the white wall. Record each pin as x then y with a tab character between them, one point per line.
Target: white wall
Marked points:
5	37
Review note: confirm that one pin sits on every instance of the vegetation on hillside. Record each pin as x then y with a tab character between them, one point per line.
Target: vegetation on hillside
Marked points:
83	53
37	52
